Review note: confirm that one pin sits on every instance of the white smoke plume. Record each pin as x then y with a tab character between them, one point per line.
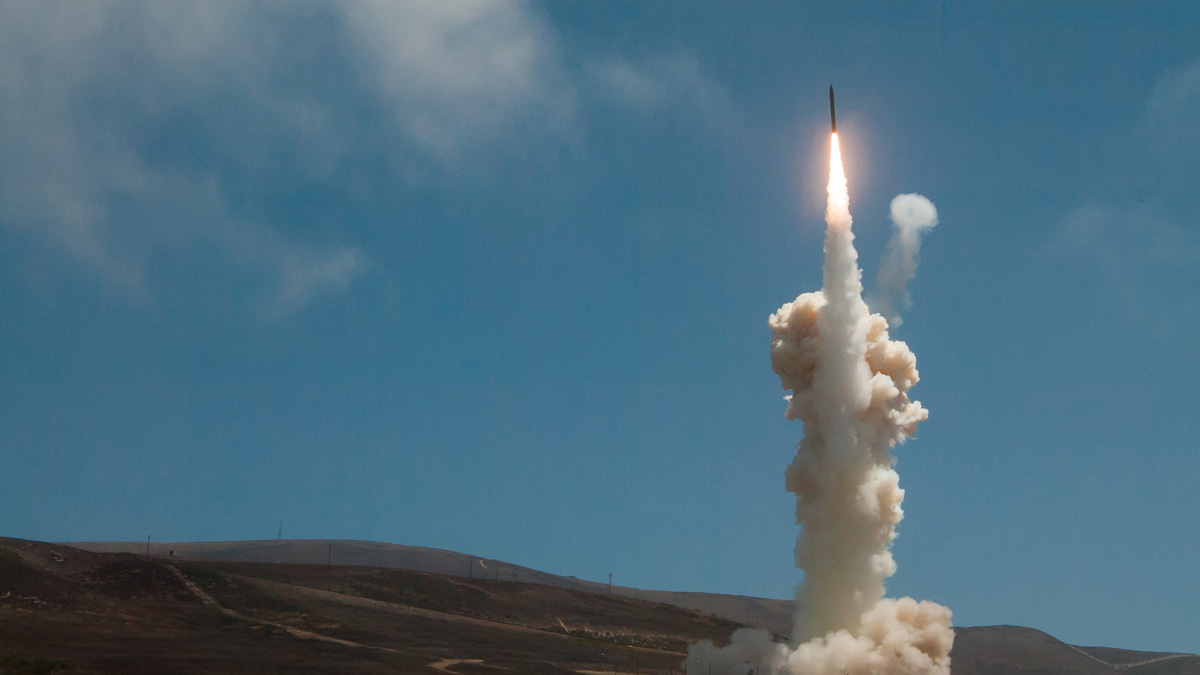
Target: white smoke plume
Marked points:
849	384
913	215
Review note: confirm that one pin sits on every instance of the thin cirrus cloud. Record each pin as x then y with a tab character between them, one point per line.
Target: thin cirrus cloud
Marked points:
459	73
1120	242
1133	248
96	93
659	83
1138	261
1173	108
133	127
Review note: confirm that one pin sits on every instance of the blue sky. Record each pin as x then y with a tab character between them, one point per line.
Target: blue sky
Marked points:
495	278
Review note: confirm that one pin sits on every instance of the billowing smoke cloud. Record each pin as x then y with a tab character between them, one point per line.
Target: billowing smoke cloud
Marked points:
849	384
913	215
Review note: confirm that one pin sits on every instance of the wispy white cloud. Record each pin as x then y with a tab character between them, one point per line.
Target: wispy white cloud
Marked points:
1117	240
660	83
85	87
1134	257
306	272
457	73
1173	108
1144	253
130	127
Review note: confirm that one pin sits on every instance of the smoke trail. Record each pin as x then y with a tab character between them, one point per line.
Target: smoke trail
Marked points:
849	385
913	215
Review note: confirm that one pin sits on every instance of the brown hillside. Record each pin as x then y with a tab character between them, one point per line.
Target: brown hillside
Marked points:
121	613
774	615
64	610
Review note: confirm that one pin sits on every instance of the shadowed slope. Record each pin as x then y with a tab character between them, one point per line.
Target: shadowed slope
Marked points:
118	612
774	615
122	613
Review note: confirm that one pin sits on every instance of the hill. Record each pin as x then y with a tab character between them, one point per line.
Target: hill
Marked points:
66	610
72	611
774	615
1004	650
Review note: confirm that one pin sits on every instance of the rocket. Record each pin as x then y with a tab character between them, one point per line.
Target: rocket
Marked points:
832	114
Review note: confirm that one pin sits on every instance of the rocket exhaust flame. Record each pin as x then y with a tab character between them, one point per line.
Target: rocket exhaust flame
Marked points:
849	384
837	209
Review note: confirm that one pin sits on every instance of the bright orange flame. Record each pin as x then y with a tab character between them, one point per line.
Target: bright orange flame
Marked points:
837	209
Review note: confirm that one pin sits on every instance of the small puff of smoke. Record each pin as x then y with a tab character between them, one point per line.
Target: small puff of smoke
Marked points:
913	215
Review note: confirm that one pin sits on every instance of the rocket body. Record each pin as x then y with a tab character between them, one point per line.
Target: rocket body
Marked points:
832	113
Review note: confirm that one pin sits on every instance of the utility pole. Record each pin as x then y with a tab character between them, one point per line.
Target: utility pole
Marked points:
280	536
147	546
610	583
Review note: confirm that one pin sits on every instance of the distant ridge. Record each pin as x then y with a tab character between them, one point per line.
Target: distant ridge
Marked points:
774	615
997	650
